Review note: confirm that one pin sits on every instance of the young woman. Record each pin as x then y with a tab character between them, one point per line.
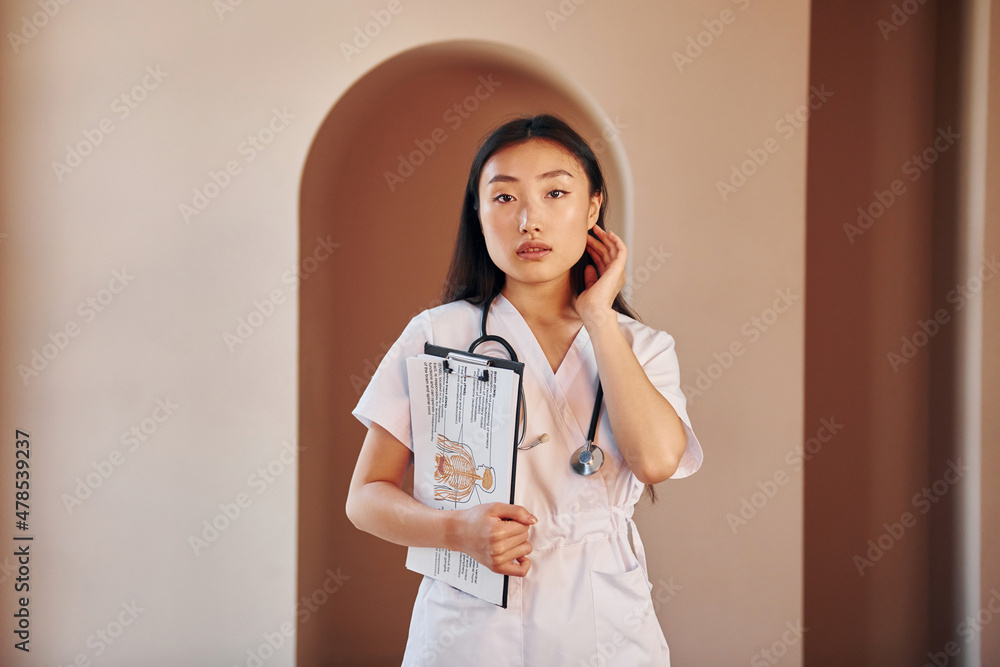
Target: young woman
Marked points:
533	250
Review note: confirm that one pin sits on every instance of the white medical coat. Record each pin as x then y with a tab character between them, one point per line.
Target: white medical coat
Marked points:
586	599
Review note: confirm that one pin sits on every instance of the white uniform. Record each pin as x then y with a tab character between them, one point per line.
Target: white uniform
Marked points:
586	599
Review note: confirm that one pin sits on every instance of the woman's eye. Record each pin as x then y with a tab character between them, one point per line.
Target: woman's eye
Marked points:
502	195
562	193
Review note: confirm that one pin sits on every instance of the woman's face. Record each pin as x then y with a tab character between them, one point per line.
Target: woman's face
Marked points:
535	209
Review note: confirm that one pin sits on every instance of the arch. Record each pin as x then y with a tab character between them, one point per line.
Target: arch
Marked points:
381	193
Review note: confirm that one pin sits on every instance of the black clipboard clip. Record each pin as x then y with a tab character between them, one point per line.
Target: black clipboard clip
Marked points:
478	360
520	413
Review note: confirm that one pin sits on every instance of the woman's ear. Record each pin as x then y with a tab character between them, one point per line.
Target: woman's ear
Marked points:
594	212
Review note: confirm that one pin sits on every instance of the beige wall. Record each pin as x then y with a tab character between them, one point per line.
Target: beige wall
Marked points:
680	131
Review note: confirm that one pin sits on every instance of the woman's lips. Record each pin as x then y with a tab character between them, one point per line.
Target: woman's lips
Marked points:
533	250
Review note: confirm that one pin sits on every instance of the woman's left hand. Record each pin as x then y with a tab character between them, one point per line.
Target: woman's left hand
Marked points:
604	283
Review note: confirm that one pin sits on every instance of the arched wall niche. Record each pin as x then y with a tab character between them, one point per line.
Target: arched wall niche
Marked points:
380	247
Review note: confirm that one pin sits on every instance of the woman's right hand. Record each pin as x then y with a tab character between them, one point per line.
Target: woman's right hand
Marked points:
495	535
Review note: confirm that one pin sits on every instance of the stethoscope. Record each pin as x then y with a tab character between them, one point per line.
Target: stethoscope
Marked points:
589	458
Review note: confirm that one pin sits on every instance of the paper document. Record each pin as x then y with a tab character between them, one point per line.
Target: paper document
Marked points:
462	425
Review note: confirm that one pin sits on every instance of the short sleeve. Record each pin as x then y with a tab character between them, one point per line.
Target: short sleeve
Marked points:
386	399
663	371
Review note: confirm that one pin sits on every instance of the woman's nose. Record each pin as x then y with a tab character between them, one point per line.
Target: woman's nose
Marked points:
527	219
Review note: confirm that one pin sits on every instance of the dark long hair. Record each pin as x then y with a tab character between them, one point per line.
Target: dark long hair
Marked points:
473	276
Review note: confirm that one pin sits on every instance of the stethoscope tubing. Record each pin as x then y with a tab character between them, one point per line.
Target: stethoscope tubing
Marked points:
589	458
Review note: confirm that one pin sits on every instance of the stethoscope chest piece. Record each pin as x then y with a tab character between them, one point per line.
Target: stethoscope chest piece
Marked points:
587	460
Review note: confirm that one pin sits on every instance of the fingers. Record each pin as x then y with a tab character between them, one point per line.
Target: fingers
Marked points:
609	255
504	545
512	528
600	243
597	253
516	568
607	233
519	550
605	248
607	241
509	543
514	513
500	543
515	562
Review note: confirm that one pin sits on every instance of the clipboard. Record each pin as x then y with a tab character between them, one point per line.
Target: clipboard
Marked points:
498	362
465	452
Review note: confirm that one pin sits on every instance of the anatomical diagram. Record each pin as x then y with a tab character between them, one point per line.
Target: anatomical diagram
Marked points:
456	473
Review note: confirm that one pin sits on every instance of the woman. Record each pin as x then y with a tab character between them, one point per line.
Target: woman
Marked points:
532	248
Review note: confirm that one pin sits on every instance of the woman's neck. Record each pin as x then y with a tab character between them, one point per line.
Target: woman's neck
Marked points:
549	303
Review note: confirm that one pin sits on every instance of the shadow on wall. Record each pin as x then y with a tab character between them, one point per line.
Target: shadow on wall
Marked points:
381	194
